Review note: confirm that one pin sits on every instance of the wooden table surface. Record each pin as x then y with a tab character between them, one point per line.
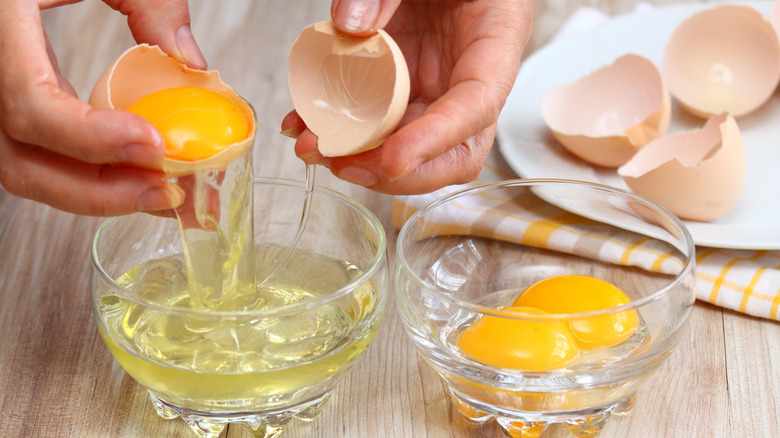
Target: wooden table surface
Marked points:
57	379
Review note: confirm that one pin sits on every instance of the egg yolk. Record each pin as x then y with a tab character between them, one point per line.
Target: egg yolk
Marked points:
582	293
196	123
519	344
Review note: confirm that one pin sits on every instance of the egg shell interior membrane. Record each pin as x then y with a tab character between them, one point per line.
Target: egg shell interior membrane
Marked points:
725	59
141	72
698	175
688	148
607	102
342	91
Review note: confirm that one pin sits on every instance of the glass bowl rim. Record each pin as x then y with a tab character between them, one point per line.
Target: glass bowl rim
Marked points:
376	263
685	237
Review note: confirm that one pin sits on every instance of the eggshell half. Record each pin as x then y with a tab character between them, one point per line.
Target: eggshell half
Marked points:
606	116
698	175
144	69
724	59
350	92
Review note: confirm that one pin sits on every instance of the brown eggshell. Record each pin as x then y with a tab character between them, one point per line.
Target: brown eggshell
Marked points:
698	175
350	92
606	116
145	69
724	59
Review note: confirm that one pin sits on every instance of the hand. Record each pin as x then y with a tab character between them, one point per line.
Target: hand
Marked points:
463	58
60	151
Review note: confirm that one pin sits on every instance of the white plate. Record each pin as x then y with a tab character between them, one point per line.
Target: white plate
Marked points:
532	152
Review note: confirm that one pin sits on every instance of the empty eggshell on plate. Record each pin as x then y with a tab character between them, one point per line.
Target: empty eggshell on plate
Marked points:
351	92
606	116
723	59
145	69
698	175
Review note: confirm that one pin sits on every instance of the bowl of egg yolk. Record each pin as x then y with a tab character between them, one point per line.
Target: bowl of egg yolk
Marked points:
544	301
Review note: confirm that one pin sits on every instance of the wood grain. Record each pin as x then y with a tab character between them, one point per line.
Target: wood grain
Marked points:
58	379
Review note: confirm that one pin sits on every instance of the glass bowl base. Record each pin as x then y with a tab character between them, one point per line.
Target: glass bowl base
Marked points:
581	424
262	424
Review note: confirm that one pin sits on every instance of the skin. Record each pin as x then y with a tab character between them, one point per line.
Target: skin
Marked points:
57	149
463	57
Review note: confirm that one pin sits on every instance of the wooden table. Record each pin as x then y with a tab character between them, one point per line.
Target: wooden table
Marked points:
57	379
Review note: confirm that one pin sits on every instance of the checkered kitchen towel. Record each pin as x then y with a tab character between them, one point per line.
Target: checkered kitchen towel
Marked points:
742	280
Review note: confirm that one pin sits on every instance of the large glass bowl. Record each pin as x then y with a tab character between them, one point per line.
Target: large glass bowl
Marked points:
468	255
280	355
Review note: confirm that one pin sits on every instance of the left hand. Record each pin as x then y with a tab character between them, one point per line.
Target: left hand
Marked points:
463	58
57	149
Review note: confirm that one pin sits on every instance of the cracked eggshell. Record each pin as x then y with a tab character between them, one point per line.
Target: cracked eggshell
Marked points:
350	92
145	69
724	59
606	116
698	175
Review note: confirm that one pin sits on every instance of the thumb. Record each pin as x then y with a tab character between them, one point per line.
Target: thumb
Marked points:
165	24
362	17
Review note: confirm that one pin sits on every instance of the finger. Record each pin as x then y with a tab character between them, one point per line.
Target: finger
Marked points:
362	17
306	142
46	4
292	125
479	85
306	149
35	110
82	188
165	24
458	165
169	214
61	81
451	120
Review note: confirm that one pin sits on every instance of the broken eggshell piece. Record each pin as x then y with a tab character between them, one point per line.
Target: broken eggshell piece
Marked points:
351	92
145	69
698	175
723	59
606	116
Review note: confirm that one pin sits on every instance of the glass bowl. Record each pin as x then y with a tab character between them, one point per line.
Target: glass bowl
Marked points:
467	256
276	356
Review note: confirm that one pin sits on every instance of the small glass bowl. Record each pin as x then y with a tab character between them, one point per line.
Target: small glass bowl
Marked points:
471	253
280	355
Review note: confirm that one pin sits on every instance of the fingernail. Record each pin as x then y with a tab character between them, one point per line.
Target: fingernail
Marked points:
414	164
140	155
310	157
355	175
292	132
189	48
357	15
160	198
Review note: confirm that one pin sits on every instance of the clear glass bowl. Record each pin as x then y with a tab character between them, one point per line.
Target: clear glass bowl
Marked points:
276	357
471	253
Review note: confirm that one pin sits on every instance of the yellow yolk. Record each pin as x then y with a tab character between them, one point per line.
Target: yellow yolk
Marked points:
196	123
505	342
581	293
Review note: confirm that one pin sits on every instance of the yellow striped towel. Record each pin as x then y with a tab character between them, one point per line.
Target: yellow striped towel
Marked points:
742	280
